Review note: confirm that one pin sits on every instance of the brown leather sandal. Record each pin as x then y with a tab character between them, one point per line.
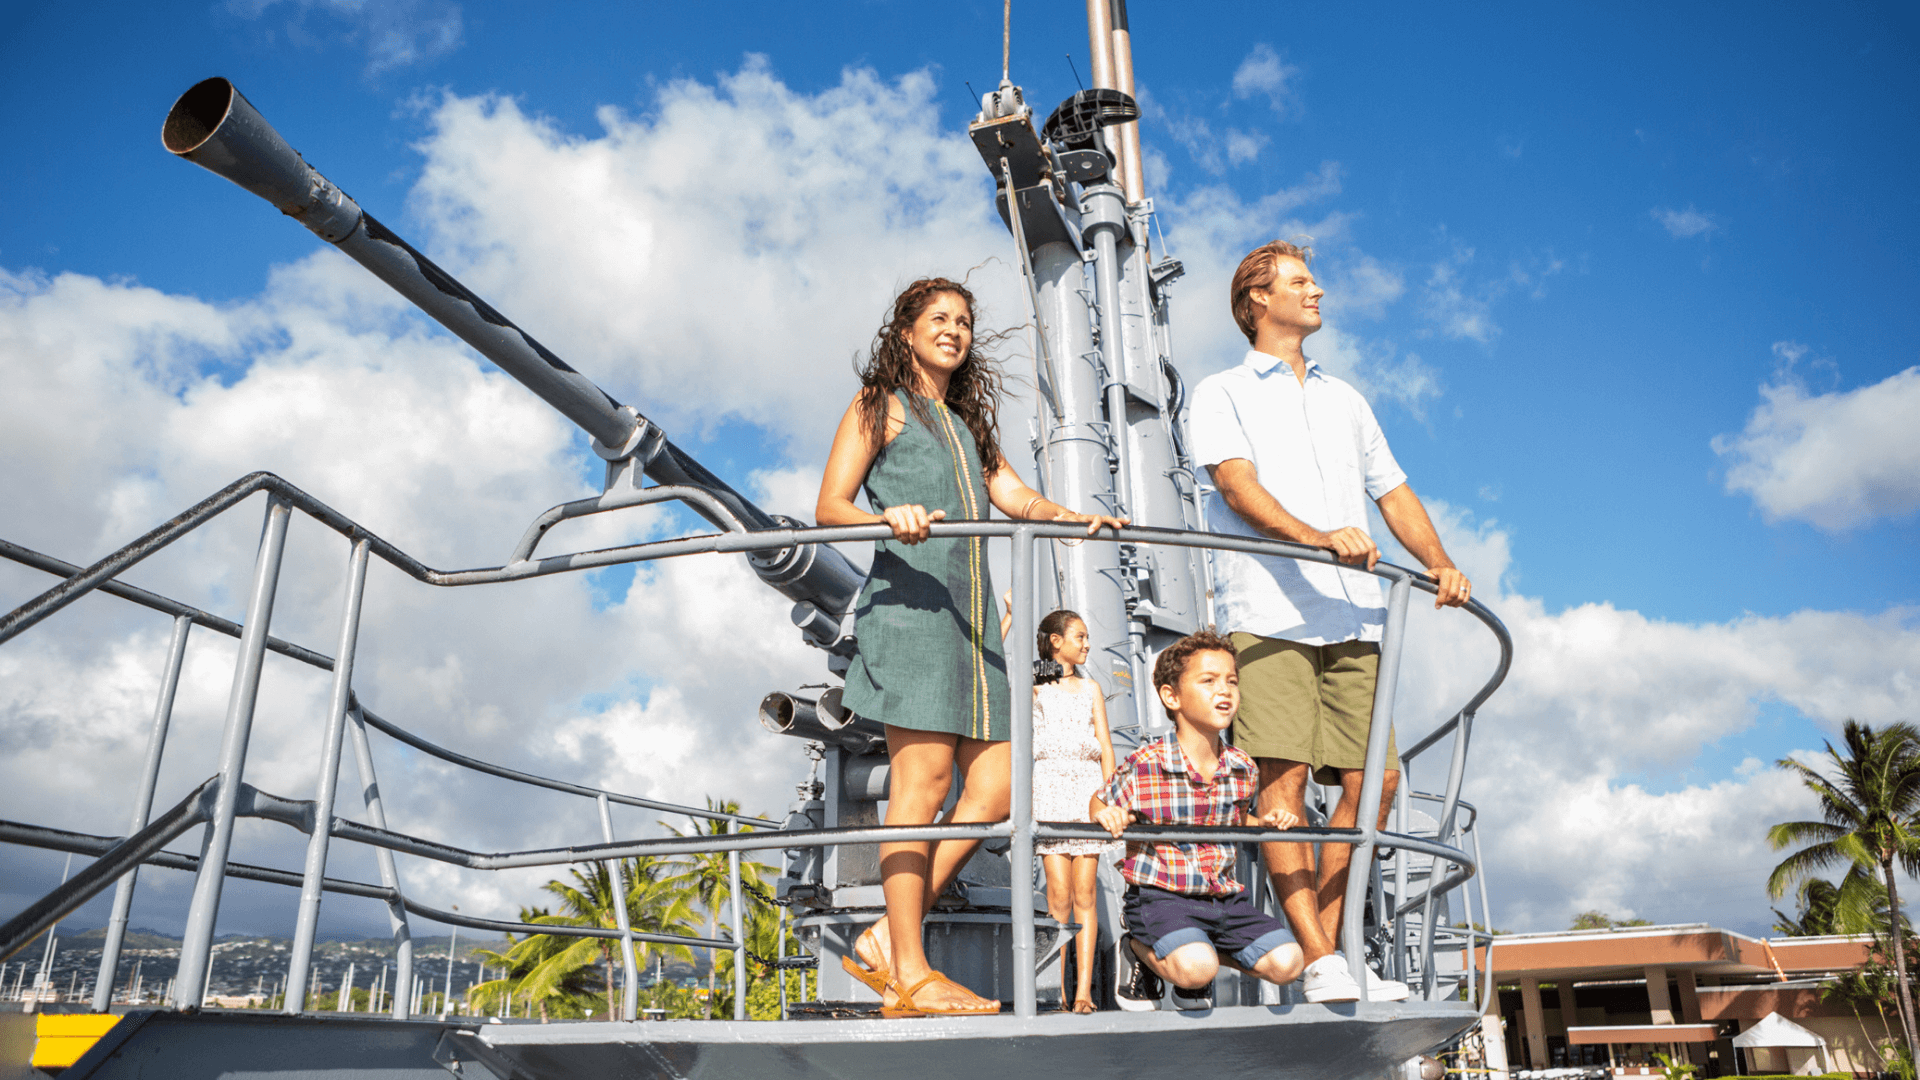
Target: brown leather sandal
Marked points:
907	1006
875	977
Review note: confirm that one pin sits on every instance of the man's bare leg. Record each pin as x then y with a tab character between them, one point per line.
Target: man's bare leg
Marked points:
1334	858
1284	784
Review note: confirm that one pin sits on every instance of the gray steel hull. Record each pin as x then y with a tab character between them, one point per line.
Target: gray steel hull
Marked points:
1280	1042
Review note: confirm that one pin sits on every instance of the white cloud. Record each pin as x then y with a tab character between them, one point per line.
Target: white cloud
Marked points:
799	215
1210	228
1264	74
394	33
1599	698
1837	460
1685	224
1455	307
1458	306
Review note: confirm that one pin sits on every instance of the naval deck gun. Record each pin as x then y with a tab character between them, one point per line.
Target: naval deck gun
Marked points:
214	126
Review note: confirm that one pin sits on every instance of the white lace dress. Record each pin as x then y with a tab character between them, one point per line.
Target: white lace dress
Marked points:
1066	762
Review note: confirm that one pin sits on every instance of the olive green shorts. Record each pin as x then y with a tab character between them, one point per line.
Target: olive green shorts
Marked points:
1308	703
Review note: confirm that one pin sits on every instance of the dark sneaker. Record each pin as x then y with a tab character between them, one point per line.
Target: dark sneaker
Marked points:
1137	989
1197	998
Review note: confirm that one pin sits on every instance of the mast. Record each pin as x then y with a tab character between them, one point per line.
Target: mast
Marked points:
1107	418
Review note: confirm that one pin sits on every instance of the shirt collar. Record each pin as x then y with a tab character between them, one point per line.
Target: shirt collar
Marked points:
1263	364
1175	759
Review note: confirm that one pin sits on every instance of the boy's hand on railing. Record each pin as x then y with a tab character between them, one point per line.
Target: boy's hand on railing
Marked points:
1114	819
1277	818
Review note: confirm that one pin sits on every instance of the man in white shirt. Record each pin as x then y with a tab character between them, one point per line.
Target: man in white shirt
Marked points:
1294	454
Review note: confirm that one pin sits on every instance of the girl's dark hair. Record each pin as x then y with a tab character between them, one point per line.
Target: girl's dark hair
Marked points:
1055	623
973	393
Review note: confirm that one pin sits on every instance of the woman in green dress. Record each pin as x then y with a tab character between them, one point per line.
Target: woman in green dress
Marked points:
919	437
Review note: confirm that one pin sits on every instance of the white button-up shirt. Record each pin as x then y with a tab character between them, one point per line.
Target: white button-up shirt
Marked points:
1318	449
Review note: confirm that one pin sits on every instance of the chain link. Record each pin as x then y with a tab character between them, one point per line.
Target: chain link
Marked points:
782	963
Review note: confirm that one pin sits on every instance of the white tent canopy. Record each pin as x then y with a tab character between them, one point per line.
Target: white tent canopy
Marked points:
1776	1030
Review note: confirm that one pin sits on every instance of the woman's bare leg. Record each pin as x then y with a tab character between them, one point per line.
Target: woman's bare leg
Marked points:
911	875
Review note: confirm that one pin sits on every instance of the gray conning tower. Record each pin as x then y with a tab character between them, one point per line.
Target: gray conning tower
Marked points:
1107	430
214	126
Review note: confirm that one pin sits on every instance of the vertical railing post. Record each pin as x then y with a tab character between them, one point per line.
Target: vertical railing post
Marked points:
617	881
1486	912
1360	867
1450	807
307	924
197	943
1403	804
739	929
389	873
780	954
142	808
1020	854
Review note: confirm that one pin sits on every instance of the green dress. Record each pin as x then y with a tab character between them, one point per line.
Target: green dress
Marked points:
927	621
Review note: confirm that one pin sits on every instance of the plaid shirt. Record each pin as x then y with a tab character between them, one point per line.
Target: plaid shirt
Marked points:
1156	783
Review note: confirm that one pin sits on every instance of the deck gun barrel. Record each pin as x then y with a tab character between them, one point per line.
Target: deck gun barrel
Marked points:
214	126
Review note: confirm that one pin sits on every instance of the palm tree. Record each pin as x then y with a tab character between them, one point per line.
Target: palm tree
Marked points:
558	990
653	906
555	969
1858	905
704	874
1867	808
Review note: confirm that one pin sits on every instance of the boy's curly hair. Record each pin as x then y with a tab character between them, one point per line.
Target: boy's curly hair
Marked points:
1173	660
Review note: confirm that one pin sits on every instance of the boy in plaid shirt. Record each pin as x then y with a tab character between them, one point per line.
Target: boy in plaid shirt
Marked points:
1182	904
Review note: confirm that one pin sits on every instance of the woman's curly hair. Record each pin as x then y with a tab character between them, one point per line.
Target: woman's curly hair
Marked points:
974	392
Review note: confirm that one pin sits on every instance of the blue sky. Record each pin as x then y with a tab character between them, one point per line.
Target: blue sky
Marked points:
1593	263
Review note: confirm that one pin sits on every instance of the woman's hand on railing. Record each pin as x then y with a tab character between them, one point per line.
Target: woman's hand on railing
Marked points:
1095	522
913	523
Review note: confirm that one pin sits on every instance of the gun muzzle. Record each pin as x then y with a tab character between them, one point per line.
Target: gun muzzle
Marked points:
214	126
790	714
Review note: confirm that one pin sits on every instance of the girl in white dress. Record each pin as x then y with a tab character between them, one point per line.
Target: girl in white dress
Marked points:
1072	761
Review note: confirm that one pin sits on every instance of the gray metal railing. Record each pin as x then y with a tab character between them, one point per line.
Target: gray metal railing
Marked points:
223	798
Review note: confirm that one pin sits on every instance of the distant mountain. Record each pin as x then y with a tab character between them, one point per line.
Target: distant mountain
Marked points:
140	938
144	938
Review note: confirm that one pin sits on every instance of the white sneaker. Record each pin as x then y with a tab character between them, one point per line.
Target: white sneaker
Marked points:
1379	989
1328	980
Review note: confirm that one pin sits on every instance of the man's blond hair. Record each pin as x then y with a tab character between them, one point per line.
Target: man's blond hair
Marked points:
1258	271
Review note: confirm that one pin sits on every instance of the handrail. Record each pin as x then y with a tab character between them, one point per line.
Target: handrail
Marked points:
41	561
401	734
18	932
92	577
230	799
100	573
78	843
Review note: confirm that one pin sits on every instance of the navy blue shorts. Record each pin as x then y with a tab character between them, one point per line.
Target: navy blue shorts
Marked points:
1164	921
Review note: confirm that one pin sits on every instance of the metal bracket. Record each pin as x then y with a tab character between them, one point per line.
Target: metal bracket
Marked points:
627	463
459	1049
